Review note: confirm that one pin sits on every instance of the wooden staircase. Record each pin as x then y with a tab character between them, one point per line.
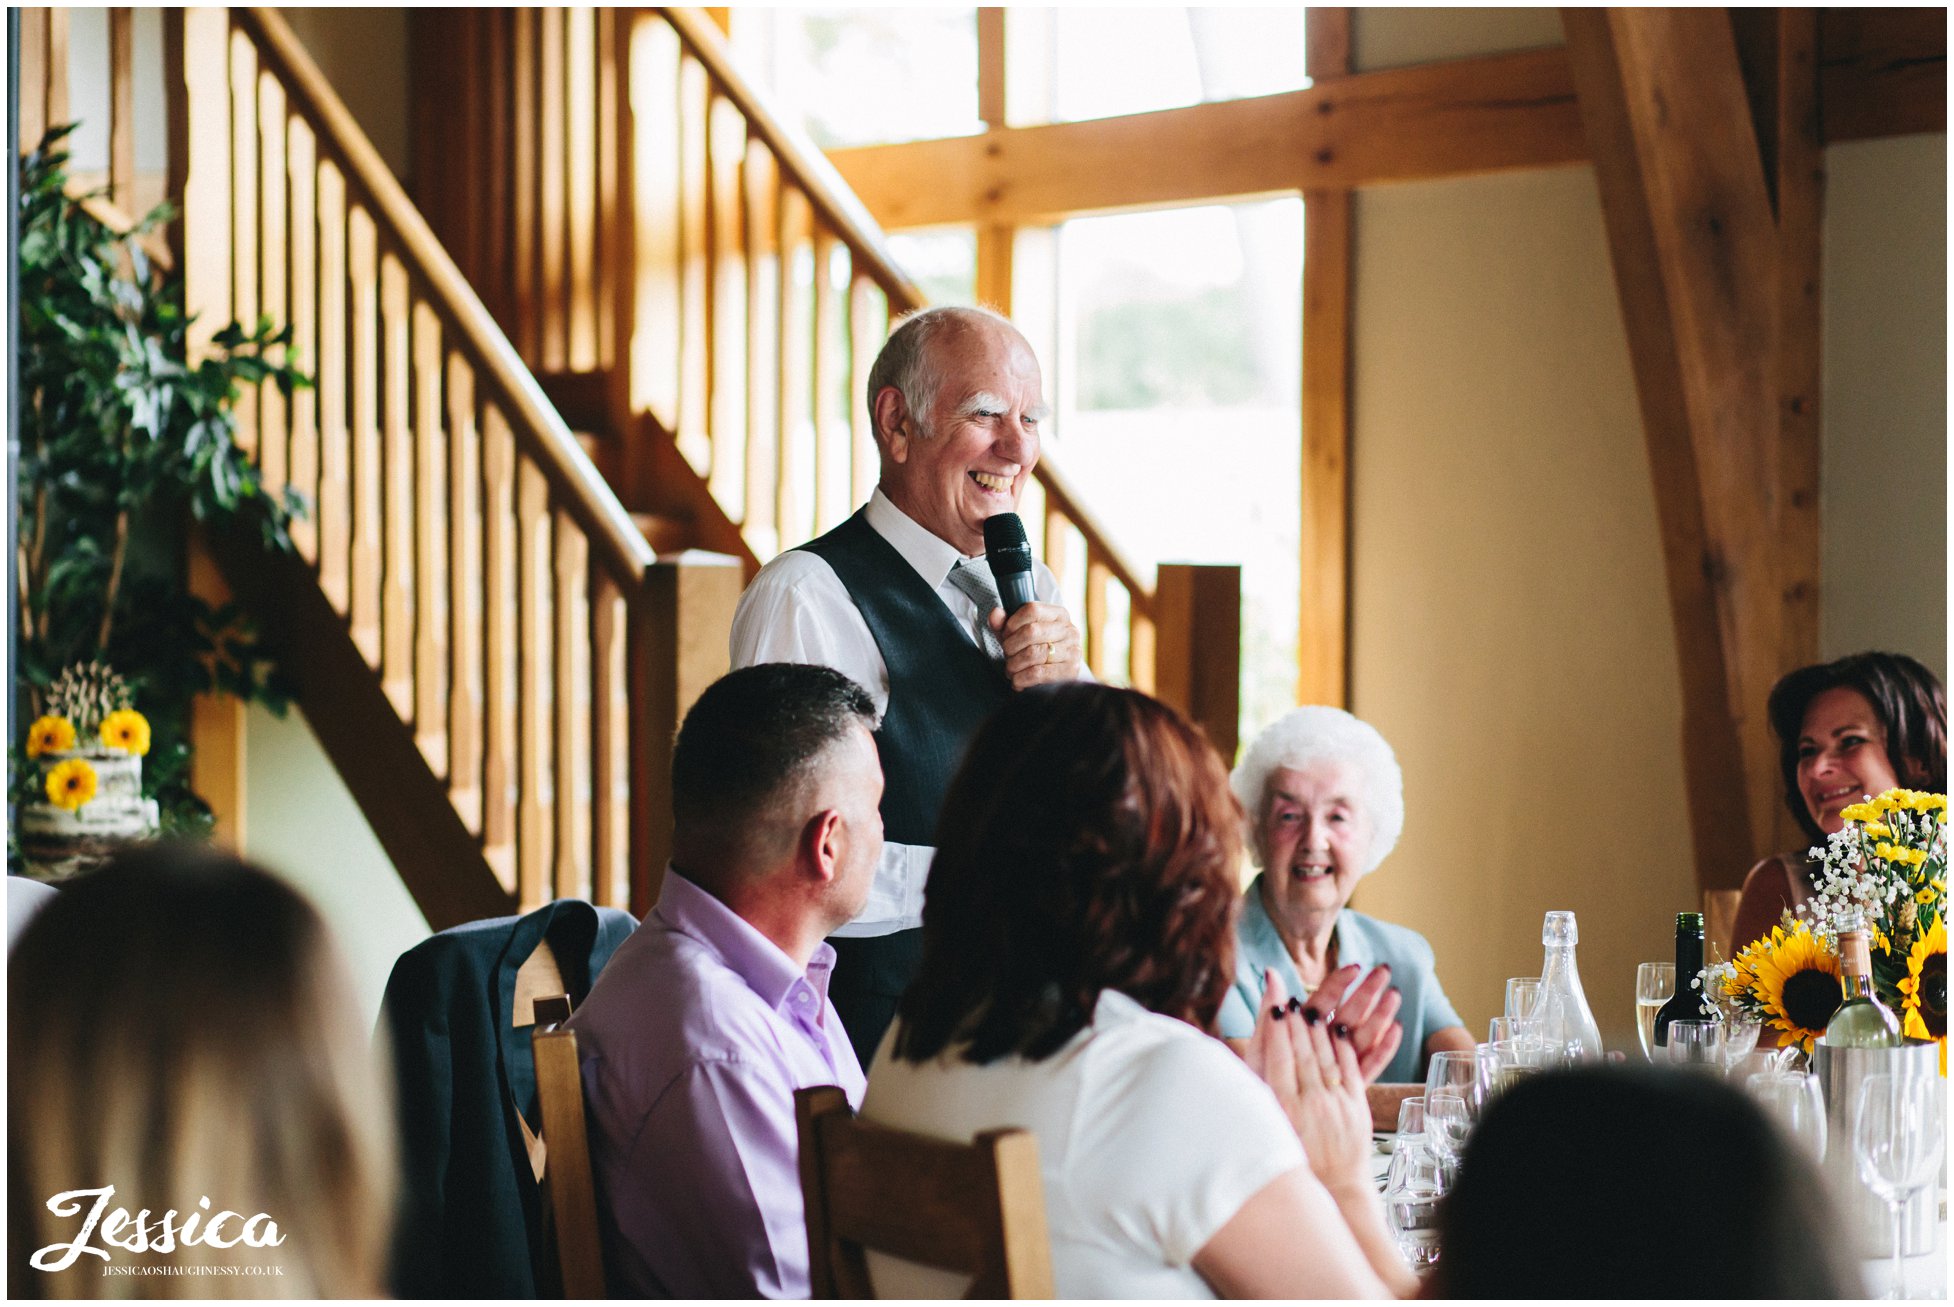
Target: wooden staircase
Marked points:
543	466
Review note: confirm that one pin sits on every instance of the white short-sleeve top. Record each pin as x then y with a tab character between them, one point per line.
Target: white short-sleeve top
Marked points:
1151	1135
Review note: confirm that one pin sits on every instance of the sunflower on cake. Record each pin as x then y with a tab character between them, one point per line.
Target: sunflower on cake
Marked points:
90	743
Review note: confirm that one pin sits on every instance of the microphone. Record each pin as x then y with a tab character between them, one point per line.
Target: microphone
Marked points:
1009	553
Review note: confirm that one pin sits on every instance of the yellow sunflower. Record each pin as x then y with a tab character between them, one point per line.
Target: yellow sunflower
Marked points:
1797	979
1924	1008
50	735
127	730
71	784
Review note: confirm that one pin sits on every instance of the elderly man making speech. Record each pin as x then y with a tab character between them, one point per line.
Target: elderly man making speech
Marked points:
899	597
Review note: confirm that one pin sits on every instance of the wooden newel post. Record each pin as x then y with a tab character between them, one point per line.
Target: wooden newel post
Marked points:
681	624
1198	647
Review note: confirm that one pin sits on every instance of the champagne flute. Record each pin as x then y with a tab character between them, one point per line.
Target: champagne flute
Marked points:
1522	997
1896	1139
1655	984
1792	1098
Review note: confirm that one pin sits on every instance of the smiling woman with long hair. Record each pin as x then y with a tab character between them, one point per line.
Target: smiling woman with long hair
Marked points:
181	1032
1078	938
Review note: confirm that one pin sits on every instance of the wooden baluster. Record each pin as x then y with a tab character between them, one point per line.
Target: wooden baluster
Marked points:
535	688
527	124
830	428
659	218
122	105
274	450
300	151
499	269
397	464
464	596
695	277
553	297
612	85
794	490
759	523
1198	611
610	787
867	327
620	300
244	218
362	264
34	68
728	360
430	544
1142	654
569	658
580	113
499	641
335	504
1058	541
1098	577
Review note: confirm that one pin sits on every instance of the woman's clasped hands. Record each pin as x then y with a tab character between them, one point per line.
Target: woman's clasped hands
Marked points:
1318	1053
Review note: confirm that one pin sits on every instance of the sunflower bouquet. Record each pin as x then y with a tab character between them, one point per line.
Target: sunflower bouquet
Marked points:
1886	867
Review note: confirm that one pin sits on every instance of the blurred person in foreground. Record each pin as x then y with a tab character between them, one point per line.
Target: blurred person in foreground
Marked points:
183	1037
1077	940
1847	730
1324	800
1642	1182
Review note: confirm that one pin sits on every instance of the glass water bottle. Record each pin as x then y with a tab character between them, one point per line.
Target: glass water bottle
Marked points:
1566	1022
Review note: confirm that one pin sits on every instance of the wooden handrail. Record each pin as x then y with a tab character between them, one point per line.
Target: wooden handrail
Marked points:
538	428
799	156
852	223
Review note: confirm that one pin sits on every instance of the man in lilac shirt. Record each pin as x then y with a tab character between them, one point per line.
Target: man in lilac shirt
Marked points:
715	1010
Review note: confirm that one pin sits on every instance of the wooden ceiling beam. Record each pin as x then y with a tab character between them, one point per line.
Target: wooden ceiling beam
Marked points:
1882	72
1434	120
1695	253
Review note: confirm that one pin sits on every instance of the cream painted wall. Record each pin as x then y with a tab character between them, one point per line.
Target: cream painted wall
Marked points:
1392	38
1884	492
363	53
1510	628
300	821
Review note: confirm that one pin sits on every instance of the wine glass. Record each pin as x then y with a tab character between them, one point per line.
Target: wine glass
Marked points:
1517	1058
1413	1187
1896	1139
1740	1032
1792	1098
1697	1044
1522	997
1455	1088
1655	984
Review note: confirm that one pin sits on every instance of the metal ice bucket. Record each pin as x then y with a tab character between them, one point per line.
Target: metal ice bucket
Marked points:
1867	1218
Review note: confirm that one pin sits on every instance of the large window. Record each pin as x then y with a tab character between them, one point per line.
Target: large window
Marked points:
1177	384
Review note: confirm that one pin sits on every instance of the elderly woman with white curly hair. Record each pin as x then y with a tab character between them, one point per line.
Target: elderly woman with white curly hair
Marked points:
1324	801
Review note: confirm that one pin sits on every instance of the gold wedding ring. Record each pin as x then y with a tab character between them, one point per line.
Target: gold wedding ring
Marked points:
1048	653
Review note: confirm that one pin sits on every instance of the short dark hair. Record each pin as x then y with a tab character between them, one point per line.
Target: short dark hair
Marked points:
1907	698
754	737
1089	842
1592	1180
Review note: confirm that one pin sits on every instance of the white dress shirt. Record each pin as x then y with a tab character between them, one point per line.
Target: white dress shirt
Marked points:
798	611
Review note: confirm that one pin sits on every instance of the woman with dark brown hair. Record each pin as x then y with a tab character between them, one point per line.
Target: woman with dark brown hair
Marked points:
1847	730
1078	939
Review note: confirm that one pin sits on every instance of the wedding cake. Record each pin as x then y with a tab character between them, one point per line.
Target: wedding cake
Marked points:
93	801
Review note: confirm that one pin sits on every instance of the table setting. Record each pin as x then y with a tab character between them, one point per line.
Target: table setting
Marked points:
1833	1025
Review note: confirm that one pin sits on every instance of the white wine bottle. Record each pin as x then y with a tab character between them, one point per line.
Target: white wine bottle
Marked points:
1862	1021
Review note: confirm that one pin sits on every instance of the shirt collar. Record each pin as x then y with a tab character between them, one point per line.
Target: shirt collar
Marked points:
685	907
1258	929
922	549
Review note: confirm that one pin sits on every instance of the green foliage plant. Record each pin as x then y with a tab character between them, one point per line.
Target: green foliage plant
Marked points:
123	444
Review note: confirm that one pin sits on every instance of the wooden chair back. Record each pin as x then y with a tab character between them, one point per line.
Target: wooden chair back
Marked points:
977	1208
1719	922
569	1186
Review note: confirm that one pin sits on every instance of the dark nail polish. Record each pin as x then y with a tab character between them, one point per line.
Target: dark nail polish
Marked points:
1311	1016
1340	1030
1295	1004
1276	1011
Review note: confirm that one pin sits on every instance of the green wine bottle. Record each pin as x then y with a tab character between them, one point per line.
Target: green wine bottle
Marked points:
1862	1021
